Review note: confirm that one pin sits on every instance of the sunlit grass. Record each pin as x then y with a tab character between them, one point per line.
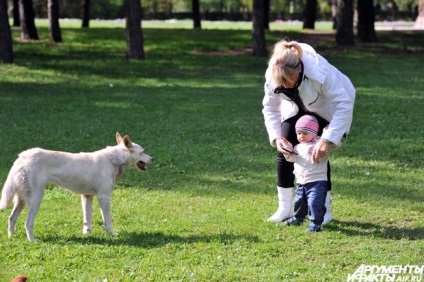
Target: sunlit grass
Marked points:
199	212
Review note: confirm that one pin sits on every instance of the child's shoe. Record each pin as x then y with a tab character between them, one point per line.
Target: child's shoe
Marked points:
314	228
293	221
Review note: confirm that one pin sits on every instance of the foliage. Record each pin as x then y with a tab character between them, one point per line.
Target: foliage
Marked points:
105	9
399	4
199	212
280	9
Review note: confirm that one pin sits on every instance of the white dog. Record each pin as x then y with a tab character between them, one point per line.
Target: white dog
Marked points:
88	174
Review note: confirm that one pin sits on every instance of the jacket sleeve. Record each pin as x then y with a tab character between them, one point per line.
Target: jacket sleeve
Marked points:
272	113
340	92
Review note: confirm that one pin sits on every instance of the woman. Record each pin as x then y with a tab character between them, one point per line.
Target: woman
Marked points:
299	81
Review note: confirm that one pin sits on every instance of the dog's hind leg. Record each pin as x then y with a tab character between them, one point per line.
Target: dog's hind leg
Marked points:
16	211
104	201
87	208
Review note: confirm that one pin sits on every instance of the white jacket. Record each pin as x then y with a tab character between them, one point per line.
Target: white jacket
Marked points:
305	169
325	91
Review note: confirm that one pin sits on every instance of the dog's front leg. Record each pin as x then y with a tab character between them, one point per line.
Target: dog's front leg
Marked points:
33	207
87	208
104	201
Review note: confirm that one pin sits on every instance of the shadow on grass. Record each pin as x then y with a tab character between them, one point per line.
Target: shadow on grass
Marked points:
353	228
151	240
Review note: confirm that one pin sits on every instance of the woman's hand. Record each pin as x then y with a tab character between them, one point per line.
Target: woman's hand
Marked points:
282	142
320	151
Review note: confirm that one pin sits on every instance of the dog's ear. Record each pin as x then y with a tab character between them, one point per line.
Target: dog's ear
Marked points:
127	142
118	138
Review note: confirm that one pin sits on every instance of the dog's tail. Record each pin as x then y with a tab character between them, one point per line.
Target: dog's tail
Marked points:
9	191
6	195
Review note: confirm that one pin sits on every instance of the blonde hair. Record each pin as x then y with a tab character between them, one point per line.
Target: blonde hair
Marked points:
285	61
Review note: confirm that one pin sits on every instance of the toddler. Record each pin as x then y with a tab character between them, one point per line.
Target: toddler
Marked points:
311	177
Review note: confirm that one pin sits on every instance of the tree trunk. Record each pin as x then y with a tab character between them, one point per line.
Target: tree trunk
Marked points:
334	13
86	14
258	33
133	31
310	14
6	49
366	19
267	9
344	32
419	23
195	6
221	9
16	21
26	14
53	13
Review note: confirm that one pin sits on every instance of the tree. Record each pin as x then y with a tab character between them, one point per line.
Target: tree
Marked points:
310	14
53	13
344	31
86	14
419	23
6	49
16	21
267	9
195	6
334	13
133	31
366	19
258	33
26	15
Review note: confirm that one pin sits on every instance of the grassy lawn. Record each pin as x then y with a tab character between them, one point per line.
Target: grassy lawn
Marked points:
199	212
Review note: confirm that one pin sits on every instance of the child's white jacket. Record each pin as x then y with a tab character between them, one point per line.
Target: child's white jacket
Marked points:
305	169
325	91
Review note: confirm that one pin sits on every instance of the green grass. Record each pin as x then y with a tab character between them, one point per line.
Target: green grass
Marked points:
188	24
199	212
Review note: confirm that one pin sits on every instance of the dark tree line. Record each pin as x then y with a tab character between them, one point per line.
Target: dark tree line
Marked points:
343	23
26	20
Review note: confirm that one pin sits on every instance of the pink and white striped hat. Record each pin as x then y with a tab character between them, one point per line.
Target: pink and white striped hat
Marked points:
307	123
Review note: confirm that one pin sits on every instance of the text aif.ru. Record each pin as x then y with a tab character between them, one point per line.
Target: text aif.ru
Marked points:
391	273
